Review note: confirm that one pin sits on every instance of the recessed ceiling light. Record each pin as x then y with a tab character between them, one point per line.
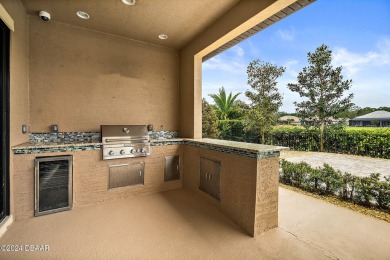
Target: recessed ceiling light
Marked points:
129	2
82	15
163	36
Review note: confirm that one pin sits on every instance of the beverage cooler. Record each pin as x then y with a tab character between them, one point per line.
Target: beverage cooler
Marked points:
53	184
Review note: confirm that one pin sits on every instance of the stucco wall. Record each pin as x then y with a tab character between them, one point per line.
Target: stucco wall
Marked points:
90	178
267	188
81	79
18	79
249	187
238	183
243	16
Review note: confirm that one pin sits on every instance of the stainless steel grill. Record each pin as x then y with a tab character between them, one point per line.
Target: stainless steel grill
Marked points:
123	141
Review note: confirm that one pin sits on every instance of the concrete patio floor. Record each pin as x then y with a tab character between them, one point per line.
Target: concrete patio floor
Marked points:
357	165
179	225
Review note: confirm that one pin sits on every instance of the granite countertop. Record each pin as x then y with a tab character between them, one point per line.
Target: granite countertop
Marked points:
167	140
34	145
97	142
250	147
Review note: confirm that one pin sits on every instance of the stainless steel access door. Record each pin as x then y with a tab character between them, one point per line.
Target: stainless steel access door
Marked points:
172	168
126	175
210	177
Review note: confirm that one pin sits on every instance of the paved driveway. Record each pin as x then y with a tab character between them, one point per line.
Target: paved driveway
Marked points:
356	165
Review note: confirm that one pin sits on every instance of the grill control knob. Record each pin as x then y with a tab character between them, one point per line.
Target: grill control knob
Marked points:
111	152
142	150
122	152
132	151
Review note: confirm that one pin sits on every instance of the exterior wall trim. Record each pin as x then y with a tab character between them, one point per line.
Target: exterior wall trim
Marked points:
7	19
5	224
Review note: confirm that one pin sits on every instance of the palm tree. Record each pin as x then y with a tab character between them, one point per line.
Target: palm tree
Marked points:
224	105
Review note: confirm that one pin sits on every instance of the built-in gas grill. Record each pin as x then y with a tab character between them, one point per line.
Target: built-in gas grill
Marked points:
122	141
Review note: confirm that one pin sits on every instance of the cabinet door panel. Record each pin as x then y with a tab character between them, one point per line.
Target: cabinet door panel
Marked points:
124	175
210	177
172	168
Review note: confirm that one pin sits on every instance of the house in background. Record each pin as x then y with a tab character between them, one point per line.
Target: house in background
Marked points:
289	120
328	121
377	118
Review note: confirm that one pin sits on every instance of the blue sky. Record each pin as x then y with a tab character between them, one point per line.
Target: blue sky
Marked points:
357	32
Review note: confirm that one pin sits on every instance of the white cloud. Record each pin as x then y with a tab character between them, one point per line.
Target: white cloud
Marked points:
224	65
354	62
371	89
239	51
231	61
291	66
369	71
231	84
253	48
287	34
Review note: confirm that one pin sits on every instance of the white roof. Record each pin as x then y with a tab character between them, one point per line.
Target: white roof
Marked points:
378	115
285	118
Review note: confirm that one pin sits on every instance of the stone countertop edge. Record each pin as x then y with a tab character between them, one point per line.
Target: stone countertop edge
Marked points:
38	145
250	147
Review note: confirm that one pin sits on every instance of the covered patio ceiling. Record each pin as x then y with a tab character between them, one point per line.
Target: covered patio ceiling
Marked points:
144	21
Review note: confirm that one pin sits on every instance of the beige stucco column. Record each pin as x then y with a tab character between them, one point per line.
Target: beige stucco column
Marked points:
243	16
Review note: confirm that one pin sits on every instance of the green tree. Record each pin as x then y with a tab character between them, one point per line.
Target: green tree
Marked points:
350	113
323	87
383	108
224	105
209	121
240	110
265	98
364	111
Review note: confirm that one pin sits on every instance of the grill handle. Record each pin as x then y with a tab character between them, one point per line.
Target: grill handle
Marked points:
126	139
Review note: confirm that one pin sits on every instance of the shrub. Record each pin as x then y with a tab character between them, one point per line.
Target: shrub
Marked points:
314	180
287	170
374	142
382	193
348	185
368	191
330	178
366	188
231	129
299	176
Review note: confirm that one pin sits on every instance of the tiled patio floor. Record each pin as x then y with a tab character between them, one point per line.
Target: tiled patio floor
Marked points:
358	165
179	225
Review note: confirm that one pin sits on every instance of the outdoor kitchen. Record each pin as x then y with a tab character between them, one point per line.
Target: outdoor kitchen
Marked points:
97	117
126	160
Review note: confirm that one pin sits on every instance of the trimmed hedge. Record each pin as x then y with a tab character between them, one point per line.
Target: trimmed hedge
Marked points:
234	130
367	142
367	191
374	142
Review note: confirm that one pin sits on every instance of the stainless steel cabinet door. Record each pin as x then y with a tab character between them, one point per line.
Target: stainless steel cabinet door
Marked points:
210	177
172	168
123	175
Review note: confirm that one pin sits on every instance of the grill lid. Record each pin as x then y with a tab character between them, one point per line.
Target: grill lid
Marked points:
125	141
124	133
